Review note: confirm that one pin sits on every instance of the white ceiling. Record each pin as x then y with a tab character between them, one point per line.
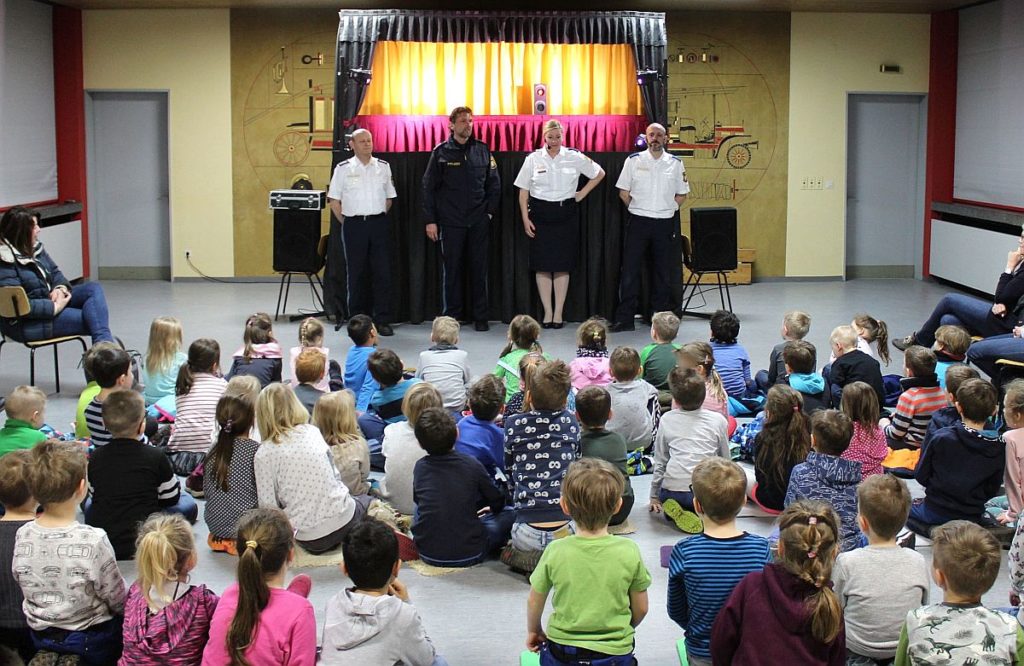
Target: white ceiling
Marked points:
872	6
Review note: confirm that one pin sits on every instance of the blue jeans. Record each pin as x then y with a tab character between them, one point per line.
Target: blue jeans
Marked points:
372	427
961	310
922	518
684	498
527	537
985	353
86	313
496	531
98	645
185	507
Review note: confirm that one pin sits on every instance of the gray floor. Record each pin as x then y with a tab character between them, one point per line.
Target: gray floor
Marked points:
478	616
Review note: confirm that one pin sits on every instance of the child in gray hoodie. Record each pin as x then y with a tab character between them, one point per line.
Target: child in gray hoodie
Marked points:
373	621
635	409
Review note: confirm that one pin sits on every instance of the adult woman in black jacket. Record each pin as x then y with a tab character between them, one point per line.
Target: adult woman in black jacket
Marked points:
56	307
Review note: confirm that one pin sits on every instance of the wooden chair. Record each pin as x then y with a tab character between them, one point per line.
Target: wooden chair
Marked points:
14	305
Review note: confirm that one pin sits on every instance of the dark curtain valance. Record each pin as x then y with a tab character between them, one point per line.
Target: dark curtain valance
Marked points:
360	30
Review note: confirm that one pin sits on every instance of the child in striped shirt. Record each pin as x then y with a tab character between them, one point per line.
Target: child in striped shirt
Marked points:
704	569
922	396
112	370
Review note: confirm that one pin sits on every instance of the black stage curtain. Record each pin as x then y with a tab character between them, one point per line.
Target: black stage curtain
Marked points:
360	30
593	286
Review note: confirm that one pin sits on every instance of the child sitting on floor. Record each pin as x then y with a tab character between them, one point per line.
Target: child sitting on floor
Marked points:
827	477
373	622
401	449
1007	509
879	584
789	601
163	359
658	358
478	435
459	517
590	623
965	564
795	326
948	415
229	477
20	508
357	376
26	413
92	388
112	369
523	336
260	353
310	368
851	365
335	415
311	336
590	367
385	406
704	569
687	435
198	390
782	444
950	348
921	398
870	330
636	412
699	356
593	409
868	445
731	359
445	365
798	358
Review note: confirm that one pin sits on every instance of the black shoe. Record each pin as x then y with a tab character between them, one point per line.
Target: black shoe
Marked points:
557	324
907	540
385	330
547	324
481	326
903	343
620	326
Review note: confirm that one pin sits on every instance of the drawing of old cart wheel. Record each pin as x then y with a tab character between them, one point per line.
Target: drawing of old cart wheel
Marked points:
291	148
738	156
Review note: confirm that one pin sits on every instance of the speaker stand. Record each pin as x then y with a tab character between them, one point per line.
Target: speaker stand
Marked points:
286	285
693	285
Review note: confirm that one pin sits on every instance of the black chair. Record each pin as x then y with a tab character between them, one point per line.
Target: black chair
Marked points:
14	305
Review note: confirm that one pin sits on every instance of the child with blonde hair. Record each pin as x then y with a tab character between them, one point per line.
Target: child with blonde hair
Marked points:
950	347
164	356
1007	509
335	415
851	364
401	449
166	619
445	365
658	358
701	357
791	600
872	331
229	477
294	471
523	336
311	336
247	388
590	367
795	326
26	412
260	353
868	445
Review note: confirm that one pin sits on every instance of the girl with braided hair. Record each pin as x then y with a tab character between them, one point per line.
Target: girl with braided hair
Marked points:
311	336
259	621
791	600
782	444
229	477
590	367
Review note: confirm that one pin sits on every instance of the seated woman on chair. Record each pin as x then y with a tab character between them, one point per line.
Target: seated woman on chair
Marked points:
56	308
978	316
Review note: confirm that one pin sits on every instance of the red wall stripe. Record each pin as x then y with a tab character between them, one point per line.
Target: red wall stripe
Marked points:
941	149
69	96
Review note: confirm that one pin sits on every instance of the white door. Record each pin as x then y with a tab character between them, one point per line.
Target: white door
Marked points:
129	216
885	186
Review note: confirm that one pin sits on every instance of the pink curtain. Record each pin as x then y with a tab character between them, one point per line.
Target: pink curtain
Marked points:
592	134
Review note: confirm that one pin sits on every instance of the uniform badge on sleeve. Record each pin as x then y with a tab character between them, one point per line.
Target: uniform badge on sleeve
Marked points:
494	165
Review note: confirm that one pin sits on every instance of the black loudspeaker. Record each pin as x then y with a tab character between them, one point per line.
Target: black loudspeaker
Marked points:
540	99
713	236
296	237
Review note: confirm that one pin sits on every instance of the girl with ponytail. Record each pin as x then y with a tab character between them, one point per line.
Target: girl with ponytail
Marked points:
197	391
260	622
260	353
166	619
311	336
788	613
782	444
229	477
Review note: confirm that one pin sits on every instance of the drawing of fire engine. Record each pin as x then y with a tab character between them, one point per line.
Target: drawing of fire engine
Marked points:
709	138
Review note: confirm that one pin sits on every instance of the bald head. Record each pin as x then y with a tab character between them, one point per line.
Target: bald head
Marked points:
361	143
656	138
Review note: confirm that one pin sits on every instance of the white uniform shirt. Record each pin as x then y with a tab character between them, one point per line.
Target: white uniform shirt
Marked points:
362	189
653	184
555	178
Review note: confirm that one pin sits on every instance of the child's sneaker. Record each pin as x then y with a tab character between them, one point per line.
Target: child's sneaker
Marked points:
523	561
68	660
219	545
44	658
687	521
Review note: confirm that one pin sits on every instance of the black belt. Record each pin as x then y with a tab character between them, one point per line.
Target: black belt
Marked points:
363	217
563	202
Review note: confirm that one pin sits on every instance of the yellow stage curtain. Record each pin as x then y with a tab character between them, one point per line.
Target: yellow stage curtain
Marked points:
497	78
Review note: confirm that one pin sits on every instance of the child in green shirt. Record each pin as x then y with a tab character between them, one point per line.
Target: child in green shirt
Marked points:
26	409
659	357
600	580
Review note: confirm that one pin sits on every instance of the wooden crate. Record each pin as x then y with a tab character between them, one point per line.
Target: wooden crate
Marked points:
742	275
747	255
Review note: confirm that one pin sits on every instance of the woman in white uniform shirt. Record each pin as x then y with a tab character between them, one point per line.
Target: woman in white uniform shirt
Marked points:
548	203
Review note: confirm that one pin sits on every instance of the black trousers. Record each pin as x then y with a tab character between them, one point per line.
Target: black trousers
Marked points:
365	246
465	250
655	241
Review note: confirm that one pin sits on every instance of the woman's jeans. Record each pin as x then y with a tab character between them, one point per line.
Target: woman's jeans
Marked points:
961	310
85	313
985	353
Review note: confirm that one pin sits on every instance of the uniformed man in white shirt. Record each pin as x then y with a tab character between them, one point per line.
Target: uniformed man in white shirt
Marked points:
360	196
548	199
652	185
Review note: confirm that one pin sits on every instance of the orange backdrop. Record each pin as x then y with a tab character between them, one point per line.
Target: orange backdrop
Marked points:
497	78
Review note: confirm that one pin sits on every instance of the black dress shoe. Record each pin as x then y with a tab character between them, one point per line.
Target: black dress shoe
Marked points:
481	326
557	324
619	327
547	324
385	330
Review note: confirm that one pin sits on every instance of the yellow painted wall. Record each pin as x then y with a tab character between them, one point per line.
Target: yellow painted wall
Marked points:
832	55
186	52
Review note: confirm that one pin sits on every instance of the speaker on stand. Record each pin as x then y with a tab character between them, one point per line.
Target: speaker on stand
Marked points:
298	247
712	248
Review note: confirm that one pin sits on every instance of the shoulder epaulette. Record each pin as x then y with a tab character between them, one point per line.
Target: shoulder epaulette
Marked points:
674	157
382	161
633	155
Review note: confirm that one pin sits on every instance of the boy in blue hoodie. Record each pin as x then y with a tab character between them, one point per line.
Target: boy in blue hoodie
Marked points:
479	436
826	477
799	357
963	465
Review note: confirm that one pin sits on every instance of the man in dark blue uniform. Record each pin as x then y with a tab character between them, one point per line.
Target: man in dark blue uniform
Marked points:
461	191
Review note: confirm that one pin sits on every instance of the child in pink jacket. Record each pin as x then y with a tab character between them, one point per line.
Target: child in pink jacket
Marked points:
590	367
